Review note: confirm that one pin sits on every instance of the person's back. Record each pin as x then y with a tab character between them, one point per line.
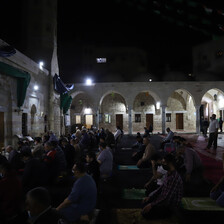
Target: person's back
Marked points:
69	153
110	139
93	166
105	159
145	162
52	162
10	192
39	210
34	173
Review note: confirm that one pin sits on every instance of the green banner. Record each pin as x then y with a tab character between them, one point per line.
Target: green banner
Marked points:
23	80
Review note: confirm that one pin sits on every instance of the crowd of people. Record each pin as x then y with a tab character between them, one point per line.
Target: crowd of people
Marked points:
84	160
34	167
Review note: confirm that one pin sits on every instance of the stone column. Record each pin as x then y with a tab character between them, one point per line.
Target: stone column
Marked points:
163	119
129	119
197	108
97	118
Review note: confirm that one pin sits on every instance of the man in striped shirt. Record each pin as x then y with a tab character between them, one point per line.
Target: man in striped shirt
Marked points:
168	196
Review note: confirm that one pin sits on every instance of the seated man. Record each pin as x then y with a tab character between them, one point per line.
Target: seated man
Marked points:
92	166
145	160
105	159
168	138
140	148
168	196
39	208
82	199
158	174
192	174
217	192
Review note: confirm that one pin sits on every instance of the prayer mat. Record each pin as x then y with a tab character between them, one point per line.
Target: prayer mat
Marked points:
127	167
200	204
128	216
126	148
133	194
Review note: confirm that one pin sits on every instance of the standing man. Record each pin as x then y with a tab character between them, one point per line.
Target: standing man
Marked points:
213	134
205	125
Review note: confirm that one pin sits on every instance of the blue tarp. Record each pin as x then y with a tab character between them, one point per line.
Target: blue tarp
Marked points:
59	86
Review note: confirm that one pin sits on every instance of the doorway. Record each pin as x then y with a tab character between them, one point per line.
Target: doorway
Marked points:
119	120
89	121
179	121
149	120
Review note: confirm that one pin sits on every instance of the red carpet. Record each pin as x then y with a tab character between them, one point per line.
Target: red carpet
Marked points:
213	168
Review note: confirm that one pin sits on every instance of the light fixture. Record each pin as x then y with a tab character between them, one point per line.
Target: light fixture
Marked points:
35	87
158	105
89	82
41	64
88	110
150	80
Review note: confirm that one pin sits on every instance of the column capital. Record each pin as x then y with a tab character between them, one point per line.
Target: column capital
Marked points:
197	106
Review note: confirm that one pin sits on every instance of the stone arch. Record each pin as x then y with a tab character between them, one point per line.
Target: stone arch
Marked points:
112	92
144	111
181	111
212	102
82	105
113	111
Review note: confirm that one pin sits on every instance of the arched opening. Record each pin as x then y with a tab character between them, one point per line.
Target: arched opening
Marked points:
181	112
113	112
145	112
212	103
81	112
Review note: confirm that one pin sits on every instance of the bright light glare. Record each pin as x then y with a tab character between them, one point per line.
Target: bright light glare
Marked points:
36	87
88	110
41	64
157	105
89	82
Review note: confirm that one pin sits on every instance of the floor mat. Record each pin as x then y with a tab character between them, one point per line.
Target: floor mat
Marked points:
127	167
133	194
128	216
200	204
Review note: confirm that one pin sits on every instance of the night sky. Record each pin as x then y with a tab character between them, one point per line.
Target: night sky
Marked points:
167	30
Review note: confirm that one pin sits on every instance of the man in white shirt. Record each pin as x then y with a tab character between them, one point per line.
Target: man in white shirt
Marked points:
213	134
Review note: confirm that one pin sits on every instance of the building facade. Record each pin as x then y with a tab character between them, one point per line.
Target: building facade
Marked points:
135	105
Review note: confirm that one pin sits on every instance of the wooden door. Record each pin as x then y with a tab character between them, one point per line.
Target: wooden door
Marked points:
179	121
2	134
119	120
149	120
